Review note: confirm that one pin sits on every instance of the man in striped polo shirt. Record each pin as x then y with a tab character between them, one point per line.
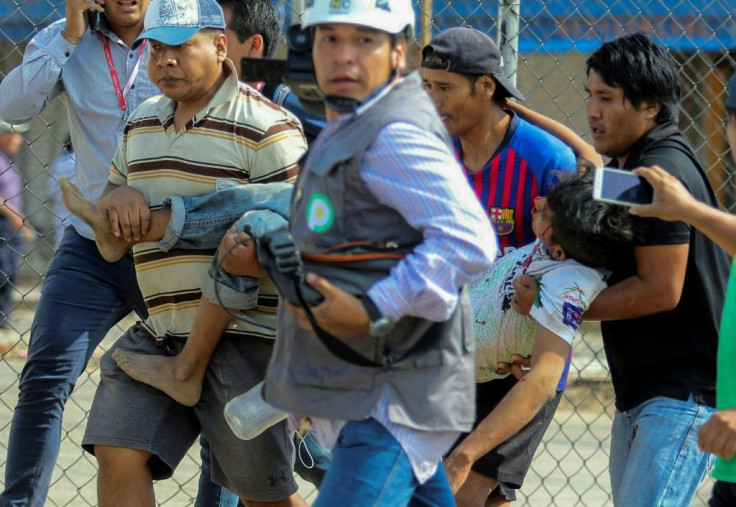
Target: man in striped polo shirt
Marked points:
205	133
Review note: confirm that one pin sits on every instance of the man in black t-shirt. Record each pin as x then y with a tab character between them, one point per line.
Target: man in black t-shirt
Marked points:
662	309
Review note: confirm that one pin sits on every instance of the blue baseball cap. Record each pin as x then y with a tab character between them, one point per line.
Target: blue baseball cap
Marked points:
174	22
731	94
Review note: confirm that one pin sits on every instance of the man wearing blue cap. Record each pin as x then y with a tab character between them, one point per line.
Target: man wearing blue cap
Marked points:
206	132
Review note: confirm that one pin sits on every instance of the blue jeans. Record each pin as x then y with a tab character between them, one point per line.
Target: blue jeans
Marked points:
210	494
83	297
369	468
198	223
655	460
312	459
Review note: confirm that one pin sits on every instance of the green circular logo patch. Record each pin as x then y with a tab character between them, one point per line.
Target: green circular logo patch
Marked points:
320	214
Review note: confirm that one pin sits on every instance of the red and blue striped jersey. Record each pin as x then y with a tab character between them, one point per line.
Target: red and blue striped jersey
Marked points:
526	164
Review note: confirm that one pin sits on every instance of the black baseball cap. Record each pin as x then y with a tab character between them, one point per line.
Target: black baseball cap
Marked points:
469	51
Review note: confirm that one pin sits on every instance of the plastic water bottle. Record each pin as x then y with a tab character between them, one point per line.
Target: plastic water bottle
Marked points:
248	415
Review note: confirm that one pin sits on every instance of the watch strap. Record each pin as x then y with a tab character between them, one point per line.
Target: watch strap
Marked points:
370	307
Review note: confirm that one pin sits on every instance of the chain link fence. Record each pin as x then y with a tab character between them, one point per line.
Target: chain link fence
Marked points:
545	44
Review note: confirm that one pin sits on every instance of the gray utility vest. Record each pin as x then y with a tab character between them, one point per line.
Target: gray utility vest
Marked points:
429	367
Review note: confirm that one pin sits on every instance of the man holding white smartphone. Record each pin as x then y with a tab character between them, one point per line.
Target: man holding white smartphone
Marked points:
672	201
662	309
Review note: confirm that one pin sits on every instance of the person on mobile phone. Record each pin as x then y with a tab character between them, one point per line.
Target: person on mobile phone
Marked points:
104	80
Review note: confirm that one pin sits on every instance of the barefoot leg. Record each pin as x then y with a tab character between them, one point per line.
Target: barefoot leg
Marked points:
163	373
181	376
110	247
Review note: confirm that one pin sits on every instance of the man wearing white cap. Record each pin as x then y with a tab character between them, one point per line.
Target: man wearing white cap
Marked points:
385	360
207	132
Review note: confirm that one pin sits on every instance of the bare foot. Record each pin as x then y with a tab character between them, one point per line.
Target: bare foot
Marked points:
163	373
111	248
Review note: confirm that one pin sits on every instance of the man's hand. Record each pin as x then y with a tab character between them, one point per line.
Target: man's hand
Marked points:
238	255
76	19
340	313
519	366
671	199
457	467
718	434
128	212
525	292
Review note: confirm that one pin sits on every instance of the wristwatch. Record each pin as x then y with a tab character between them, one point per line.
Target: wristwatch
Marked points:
379	325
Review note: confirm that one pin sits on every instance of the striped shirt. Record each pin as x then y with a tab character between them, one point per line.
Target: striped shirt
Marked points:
239	137
51	65
528	163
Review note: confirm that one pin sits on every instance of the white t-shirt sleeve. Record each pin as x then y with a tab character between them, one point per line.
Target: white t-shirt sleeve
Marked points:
564	295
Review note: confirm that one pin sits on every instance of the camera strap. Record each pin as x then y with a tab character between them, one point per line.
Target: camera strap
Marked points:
335	346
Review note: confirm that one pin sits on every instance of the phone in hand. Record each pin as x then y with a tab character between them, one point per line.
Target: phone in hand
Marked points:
93	19
621	187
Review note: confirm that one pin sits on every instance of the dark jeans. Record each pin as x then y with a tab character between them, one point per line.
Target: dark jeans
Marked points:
82	298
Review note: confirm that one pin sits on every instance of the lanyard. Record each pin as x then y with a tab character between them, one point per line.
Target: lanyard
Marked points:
119	92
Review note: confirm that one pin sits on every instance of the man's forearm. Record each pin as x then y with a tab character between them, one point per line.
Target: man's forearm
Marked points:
514	412
28	88
655	287
13	215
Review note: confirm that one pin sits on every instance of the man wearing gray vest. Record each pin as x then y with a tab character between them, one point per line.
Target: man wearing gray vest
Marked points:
387	369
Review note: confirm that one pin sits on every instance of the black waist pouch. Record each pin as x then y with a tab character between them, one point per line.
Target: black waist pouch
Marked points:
353	267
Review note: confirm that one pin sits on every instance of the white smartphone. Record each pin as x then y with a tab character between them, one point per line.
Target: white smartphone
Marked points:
621	187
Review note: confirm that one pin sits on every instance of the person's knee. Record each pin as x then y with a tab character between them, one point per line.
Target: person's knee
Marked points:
120	459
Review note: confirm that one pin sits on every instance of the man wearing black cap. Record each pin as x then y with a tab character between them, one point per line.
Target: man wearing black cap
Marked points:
506	160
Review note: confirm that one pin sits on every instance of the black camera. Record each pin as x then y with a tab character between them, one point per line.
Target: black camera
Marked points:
297	71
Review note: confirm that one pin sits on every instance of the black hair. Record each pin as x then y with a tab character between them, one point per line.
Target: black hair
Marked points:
430	60
643	69
255	17
591	232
